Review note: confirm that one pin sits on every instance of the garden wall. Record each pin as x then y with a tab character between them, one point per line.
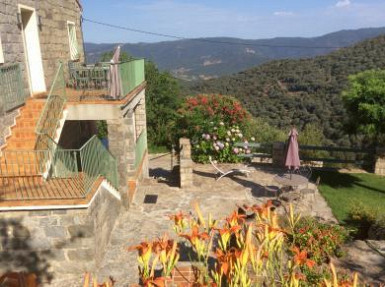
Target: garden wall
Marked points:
52	242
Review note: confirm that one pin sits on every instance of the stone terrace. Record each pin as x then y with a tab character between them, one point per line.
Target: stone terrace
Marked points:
148	221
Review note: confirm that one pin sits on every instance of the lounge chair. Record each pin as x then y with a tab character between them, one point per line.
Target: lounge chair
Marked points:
222	173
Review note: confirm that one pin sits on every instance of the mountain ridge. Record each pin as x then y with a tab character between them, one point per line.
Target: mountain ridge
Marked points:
205	58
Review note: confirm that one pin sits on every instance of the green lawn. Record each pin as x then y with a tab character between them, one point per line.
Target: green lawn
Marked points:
342	191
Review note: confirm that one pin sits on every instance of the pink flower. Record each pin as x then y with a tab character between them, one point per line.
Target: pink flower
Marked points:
236	150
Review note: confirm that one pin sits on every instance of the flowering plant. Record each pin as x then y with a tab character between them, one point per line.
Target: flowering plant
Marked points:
218	141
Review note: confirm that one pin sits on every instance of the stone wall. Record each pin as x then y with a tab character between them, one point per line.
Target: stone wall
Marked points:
53	34
6	122
57	244
140	117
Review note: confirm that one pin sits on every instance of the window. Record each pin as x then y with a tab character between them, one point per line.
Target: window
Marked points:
1	53
74	48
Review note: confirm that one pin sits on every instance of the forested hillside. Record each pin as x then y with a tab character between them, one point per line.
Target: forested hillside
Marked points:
301	91
212	57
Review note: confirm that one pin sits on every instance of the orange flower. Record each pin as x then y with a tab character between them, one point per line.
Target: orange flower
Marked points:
143	248
300	258
235	219
195	235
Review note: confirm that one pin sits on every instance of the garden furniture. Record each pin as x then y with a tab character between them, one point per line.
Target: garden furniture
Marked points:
221	173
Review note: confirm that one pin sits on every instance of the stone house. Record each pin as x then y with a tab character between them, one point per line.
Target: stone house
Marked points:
61	187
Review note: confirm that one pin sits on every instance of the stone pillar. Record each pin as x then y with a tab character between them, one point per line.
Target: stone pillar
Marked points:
278	154
186	163
379	167
122	146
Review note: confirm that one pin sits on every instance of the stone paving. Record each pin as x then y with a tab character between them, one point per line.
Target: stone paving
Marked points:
147	221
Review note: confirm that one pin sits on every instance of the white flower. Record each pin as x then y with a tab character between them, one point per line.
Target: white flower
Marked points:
222	123
226	144
215	128
228	133
252	139
232	130
227	139
240	135
233	139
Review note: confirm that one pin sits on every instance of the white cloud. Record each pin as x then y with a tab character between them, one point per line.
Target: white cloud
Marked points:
343	3
283	13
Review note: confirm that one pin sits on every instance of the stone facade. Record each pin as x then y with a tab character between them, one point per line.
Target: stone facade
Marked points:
58	243
53	34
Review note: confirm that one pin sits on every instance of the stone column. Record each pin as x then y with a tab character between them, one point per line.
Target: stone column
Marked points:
379	167
186	163
121	145
278	154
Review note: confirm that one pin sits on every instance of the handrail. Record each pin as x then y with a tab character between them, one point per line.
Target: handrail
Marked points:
50	117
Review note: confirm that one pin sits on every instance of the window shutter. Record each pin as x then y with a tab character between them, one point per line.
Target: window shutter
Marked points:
73	41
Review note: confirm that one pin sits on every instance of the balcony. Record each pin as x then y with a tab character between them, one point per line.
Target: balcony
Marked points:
103	81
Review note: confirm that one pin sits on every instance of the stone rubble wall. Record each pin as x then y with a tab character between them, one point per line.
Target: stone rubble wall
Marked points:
6	122
53	34
58	243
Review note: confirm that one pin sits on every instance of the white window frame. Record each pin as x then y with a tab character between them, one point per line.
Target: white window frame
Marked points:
72	53
1	52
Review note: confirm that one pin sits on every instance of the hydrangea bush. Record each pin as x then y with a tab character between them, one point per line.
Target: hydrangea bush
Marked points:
218	142
214	123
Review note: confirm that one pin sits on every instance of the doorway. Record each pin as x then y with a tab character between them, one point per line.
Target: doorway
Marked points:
34	61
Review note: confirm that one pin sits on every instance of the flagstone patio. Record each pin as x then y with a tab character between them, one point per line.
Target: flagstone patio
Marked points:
147	221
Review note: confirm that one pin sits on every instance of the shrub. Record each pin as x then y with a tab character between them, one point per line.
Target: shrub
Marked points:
218	142
369	222
321	240
197	112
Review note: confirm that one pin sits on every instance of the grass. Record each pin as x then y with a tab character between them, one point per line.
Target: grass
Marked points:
343	190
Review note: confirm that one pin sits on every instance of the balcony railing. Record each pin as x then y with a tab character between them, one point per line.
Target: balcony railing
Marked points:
11	87
95	82
72	172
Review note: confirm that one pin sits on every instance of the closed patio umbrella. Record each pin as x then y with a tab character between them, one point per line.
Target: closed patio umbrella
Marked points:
292	156
114	83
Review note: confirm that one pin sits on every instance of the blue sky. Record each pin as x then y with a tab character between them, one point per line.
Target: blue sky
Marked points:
247	19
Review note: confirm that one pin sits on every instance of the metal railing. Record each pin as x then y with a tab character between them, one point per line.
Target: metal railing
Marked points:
97	161
72	171
11	87
140	148
53	110
93	82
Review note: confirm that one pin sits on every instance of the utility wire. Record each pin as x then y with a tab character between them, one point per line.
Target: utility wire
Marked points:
206	40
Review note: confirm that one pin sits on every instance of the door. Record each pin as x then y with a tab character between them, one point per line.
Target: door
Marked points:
32	49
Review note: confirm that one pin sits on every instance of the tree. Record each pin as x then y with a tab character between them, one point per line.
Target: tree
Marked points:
107	56
162	103
365	103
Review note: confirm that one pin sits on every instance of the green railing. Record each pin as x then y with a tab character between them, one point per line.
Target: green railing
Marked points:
53	110
131	75
97	161
82	167
11	87
140	148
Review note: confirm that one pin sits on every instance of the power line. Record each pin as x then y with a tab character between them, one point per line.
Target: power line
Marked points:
206	40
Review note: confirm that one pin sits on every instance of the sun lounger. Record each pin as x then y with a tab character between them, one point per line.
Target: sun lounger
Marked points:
222	173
